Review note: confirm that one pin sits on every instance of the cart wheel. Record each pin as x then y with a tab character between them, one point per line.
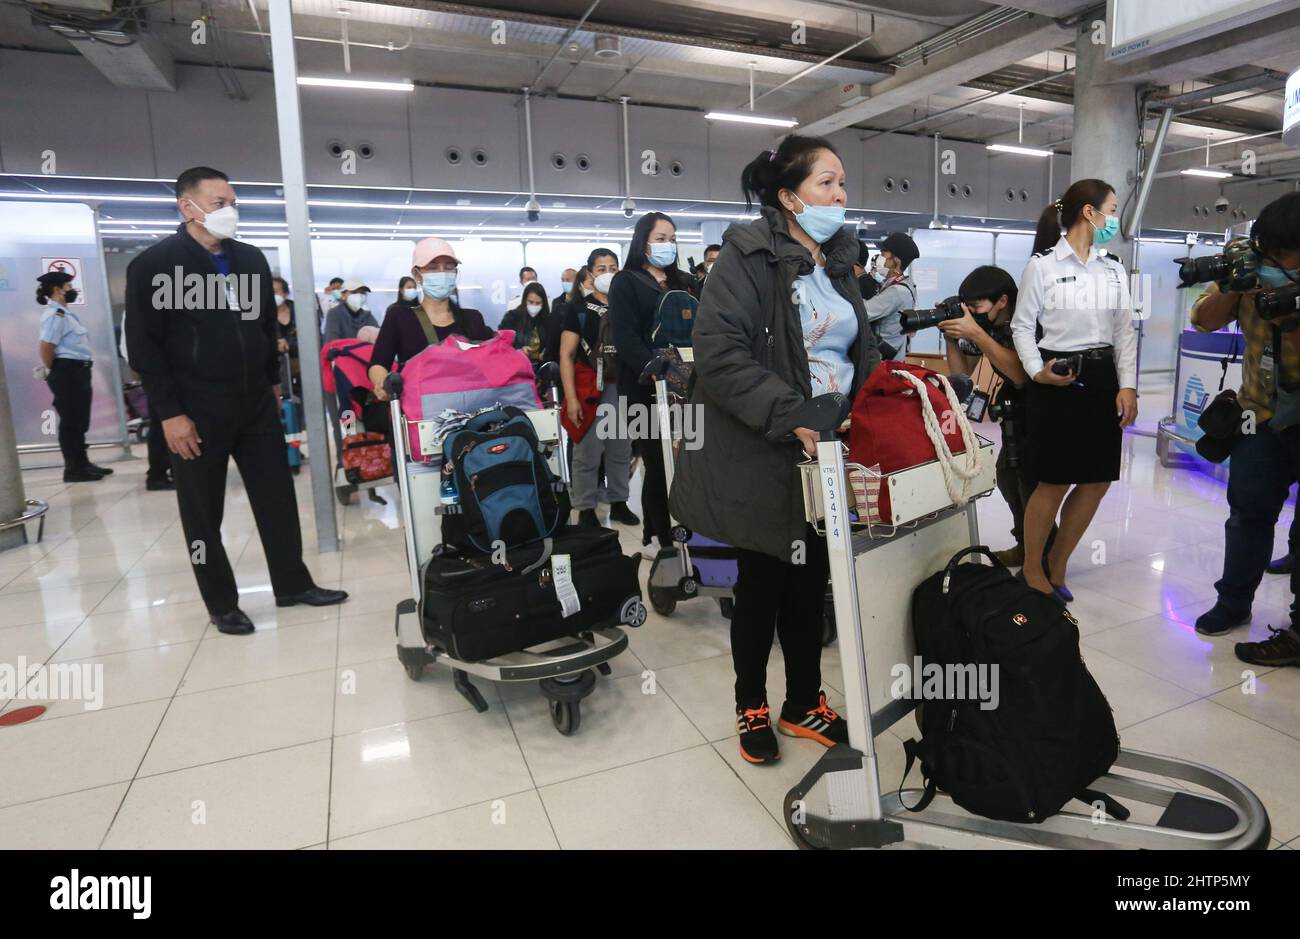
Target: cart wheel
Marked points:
566	716
414	661
663	601
727	606
604	669
344	494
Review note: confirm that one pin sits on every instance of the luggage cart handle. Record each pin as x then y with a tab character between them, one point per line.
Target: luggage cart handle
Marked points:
654	369
823	413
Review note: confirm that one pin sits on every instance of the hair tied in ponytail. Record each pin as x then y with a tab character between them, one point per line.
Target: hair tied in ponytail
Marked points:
1059	207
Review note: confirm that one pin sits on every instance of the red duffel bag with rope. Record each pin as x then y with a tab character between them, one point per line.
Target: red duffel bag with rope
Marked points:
906	415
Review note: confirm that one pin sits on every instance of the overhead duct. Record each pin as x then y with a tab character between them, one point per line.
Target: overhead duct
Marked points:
124	55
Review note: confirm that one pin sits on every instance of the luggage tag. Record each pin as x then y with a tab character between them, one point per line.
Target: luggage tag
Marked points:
562	573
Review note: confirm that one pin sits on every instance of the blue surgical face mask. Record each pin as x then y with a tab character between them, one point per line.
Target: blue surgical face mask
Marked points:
1274	277
1108	231
411	294
821	222
439	284
663	254
566	285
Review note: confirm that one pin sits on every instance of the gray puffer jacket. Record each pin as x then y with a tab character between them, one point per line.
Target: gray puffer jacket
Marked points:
751	370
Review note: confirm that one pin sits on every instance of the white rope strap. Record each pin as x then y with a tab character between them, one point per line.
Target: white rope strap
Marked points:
957	471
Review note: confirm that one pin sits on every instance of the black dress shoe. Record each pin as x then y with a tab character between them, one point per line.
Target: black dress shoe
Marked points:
619	512
154	485
316	596
587	519
101	470
234	623
80	476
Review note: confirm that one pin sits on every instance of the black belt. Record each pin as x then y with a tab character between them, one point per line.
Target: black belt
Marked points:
1097	354
73	363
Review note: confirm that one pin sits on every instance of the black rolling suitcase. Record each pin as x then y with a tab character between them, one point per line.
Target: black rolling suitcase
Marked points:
475	609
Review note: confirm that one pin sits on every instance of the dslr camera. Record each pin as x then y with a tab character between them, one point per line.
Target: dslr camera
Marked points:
1284	301
1237	268
944	310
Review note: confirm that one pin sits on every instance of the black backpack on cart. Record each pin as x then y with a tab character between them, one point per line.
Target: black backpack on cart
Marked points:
1051	734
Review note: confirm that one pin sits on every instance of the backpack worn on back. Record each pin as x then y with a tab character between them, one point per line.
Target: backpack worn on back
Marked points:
1051	733
507	493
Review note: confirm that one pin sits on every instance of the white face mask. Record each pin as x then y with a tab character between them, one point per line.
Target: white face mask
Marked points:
221	223
279	298
534	308
356	302
603	281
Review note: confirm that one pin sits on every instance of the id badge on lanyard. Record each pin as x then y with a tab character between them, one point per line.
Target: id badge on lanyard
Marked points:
600	373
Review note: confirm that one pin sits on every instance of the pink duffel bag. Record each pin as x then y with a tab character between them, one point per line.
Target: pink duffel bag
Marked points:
462	375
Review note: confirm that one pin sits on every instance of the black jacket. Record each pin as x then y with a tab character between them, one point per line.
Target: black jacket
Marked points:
751	370
202	346
633	299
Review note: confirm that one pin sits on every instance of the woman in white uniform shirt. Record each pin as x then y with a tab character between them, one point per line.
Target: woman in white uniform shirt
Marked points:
1074	306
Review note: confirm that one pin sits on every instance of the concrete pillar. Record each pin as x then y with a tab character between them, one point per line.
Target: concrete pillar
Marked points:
12	498
1106	128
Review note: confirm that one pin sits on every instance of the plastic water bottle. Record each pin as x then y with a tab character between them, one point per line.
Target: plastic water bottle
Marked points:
447	491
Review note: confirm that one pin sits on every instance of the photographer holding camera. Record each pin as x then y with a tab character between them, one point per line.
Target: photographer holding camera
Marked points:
1266	457
988	300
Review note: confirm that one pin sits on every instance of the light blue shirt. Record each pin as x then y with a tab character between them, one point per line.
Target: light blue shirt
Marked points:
830	328
62	329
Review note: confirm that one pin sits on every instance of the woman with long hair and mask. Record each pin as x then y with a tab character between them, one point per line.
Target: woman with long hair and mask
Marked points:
1073	330
634	294
530	322
782	321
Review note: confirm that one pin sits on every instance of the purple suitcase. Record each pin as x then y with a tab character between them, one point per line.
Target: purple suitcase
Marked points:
715	561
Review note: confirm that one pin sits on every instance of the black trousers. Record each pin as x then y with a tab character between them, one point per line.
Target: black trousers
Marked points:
775	596
654	492
69	380
247	428
156	442
1017	484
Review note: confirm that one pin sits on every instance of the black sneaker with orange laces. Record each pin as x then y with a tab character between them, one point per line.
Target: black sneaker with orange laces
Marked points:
819	723
757	742
1280	648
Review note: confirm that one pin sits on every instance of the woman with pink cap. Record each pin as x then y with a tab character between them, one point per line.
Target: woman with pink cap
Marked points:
408	330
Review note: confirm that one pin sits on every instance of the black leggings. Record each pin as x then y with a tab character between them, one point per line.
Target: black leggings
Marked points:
773	595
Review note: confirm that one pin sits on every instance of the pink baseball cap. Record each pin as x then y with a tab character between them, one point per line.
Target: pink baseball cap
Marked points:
430	248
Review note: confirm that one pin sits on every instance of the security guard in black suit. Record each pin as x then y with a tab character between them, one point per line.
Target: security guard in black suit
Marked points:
201	332
65	353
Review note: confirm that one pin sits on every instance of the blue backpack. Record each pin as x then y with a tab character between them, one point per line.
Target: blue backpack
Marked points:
507	492
674	320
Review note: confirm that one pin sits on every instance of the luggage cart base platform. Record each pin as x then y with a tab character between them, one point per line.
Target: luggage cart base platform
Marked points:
840	803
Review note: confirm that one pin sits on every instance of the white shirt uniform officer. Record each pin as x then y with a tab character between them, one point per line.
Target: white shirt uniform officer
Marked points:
1080	311
1078	306
66	354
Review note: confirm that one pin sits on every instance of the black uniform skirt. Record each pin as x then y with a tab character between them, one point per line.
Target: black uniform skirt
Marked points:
1074	432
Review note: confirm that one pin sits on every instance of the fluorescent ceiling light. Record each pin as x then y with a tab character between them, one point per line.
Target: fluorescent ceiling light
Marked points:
1015	148
1206	172
992	231
357	83
744	117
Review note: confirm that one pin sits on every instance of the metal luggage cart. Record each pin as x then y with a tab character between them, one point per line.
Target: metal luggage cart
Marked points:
564	669
674	577
839	803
